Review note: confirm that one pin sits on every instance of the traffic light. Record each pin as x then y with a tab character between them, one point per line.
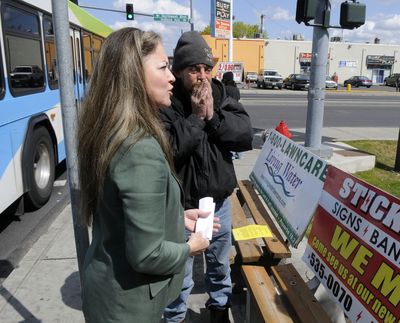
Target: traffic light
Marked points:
305	10
352	14
129	12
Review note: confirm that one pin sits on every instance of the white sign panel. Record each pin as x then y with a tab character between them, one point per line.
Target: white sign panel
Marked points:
235	67
290	179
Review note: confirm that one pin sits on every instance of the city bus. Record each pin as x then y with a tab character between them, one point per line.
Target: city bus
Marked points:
31	135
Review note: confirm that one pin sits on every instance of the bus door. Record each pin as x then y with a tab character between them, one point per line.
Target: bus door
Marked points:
75	39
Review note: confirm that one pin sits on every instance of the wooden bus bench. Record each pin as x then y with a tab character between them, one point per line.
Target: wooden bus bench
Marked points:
275	292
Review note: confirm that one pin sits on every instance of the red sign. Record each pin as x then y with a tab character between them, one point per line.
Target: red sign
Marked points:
306	57
222	25
354	247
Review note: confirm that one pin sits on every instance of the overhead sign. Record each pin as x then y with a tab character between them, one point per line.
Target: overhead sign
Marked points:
172	18
290	179
354	248
235	67
220	18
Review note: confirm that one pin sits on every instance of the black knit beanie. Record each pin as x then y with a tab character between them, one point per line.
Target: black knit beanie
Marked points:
227	77
191	49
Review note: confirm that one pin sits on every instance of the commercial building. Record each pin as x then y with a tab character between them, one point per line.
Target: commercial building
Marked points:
375	61
248	51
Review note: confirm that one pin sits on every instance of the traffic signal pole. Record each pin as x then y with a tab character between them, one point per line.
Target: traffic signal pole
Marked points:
316	91
69	118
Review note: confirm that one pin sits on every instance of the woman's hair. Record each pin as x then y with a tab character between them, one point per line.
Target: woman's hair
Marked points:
115	106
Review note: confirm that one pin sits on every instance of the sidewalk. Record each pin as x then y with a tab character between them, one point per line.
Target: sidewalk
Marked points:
45	287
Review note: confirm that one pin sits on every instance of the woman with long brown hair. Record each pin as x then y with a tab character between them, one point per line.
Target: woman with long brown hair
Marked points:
135	263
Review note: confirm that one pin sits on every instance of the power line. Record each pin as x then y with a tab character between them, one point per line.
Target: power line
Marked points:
114	10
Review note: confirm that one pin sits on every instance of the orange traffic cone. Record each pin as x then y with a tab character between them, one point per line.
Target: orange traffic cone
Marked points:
283	128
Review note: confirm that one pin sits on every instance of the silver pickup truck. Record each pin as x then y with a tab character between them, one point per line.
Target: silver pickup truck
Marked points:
269	78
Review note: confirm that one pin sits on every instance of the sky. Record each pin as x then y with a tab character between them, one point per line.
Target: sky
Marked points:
382	18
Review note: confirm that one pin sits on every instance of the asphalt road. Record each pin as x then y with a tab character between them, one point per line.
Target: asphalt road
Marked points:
342	109
266	109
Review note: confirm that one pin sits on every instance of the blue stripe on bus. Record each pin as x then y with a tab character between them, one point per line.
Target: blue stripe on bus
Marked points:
15	113
16	108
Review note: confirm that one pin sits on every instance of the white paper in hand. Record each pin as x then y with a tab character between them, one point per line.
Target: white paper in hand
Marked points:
205	225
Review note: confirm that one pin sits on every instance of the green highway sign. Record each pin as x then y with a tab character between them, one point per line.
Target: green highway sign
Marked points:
168	17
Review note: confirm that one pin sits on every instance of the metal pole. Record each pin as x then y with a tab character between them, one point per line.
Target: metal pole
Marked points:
69	115
191	16
397	161
316	92
262	25
231	34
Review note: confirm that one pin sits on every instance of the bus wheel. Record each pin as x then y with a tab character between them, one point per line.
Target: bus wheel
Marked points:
40	168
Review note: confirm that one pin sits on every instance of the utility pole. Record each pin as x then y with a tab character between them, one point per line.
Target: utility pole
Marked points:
397	162
69	116
316	92
231	33
262	25
191	16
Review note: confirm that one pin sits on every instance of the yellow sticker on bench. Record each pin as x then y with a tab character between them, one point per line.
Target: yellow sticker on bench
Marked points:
251	231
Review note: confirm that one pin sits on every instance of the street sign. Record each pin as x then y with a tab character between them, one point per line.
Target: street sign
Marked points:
168	17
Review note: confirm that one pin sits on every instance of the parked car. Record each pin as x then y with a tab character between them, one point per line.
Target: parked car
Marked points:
330	84
269	78
251	77
297	81
357	81
391	79
26	76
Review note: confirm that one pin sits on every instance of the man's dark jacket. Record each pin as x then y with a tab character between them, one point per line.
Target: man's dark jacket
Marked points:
202	149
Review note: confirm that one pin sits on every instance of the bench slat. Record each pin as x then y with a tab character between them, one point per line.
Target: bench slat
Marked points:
268	302
305	305
250	251
275	245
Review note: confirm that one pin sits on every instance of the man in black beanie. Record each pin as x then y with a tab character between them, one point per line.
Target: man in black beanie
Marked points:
205	125
230	85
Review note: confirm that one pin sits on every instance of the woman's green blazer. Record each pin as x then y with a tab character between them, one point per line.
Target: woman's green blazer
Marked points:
135	264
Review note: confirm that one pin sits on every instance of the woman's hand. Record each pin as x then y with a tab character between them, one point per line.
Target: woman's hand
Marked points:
197	243
192	215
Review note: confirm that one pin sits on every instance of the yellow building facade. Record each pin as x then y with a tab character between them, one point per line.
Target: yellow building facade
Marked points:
248	51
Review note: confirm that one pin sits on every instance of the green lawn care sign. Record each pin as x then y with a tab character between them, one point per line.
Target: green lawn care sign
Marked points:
290	179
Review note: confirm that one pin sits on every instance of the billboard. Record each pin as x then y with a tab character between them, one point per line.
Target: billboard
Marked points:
354	248
290	179
220	18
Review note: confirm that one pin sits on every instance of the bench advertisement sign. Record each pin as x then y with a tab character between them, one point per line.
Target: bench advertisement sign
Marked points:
290	179
235	67
354	248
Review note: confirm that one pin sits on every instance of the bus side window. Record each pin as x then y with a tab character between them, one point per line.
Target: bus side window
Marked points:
71	41
87	56
78	58
2	85
96	48
51	53
23	50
